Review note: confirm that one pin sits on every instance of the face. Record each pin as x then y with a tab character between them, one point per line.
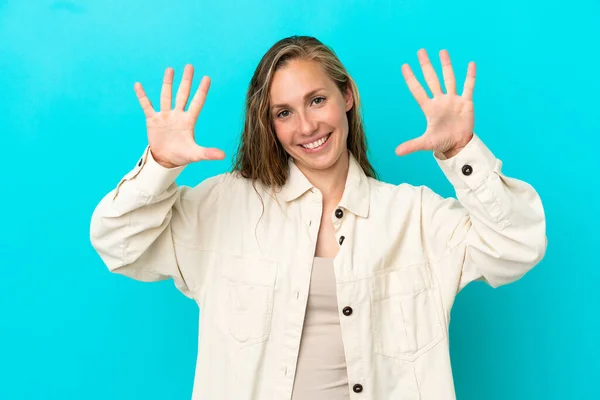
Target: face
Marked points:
309	114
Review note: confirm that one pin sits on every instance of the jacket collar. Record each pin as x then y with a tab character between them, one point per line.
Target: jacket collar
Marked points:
356	197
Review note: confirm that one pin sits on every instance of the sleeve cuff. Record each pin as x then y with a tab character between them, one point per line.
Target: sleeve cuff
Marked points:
470	167
150	177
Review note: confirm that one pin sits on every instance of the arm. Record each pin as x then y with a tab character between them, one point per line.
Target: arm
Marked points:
496	230
134	227
146	228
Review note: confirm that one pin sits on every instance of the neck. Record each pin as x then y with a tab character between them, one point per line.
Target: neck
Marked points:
331	181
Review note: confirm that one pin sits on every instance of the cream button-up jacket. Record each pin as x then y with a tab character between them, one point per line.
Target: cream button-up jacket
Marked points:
405	253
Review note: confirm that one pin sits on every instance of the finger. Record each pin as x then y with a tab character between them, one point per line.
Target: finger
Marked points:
413	145
414	86
199	98
183	93
469	81
199	153
166	92
429	73
448	72
143	99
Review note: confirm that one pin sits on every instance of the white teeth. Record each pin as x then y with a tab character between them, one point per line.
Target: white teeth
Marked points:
316	144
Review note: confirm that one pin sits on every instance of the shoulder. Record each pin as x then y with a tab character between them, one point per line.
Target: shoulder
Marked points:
214	193
225	180
214	187
232	186
405	194
388	191
393	202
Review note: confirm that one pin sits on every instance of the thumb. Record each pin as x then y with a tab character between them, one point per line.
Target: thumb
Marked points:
412	145
199	153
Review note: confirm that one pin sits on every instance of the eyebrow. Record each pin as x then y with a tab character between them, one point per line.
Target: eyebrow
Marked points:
306	96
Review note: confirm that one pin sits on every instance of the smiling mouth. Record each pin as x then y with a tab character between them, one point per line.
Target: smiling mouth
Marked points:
317	143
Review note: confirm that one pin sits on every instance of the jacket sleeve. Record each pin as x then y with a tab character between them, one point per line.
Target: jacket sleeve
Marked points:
495	230
136	226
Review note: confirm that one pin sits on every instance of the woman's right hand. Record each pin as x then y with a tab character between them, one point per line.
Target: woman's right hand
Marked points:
171	131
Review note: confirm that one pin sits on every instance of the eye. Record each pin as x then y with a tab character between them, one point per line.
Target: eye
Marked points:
318	100
283	114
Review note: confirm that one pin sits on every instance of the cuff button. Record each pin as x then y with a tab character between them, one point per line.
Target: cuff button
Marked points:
467	170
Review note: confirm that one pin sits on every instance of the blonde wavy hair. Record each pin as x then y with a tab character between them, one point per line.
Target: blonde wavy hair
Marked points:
260	156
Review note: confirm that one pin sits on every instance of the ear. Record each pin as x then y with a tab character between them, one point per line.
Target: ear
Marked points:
349	98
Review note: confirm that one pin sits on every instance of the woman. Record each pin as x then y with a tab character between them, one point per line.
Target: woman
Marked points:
316	280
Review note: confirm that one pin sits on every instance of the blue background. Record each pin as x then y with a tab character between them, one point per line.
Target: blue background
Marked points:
71	127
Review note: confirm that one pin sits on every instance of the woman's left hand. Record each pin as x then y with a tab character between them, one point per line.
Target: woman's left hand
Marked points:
450	117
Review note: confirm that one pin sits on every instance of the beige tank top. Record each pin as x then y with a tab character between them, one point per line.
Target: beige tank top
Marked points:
321	370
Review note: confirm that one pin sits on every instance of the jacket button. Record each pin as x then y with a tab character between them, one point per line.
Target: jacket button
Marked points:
347	311
339	213
140	162
357	388
467	170
342	240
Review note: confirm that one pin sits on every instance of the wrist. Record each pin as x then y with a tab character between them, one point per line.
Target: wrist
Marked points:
452	152
456	149
164	164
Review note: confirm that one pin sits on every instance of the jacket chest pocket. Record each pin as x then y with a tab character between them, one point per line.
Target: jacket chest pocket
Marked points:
245	299
406	321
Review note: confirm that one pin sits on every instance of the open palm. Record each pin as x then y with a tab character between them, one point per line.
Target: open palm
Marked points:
450	117
171	130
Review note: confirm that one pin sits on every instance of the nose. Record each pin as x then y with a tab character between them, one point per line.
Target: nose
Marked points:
306	125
